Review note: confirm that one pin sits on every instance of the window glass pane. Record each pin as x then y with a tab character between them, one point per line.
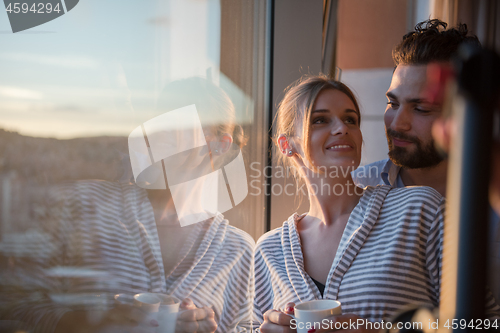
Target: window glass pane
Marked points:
127	133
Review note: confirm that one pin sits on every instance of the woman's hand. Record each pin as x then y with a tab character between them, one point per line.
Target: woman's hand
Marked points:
279	322
276	321
193	319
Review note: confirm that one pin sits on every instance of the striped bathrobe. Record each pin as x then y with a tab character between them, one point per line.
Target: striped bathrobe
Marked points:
106	232
388	257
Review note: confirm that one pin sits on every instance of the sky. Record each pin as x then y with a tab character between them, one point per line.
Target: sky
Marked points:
98	69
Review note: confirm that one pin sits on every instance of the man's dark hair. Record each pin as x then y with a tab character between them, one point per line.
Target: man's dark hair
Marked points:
431	42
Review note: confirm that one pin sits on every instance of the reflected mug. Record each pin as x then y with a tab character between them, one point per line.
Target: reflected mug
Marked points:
161	307
167	313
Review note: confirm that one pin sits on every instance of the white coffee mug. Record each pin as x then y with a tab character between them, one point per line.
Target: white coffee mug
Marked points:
147	302
310	315
167	313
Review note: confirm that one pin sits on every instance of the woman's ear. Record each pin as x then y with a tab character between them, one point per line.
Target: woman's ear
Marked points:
284	145
222	145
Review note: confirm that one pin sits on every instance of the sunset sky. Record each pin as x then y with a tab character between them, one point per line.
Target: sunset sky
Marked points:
98	69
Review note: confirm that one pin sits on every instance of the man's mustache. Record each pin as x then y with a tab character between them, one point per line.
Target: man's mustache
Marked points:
397	135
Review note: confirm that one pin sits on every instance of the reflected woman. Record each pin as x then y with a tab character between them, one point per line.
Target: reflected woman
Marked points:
163	233
375	249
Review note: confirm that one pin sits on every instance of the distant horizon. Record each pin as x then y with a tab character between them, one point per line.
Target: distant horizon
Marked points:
33	135
101	74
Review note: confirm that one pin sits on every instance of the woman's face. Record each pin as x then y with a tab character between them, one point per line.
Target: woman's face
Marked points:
335	136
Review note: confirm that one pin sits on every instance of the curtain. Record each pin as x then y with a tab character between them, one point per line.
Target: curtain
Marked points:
481	16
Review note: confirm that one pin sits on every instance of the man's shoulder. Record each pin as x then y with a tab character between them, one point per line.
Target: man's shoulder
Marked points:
371	174
410	194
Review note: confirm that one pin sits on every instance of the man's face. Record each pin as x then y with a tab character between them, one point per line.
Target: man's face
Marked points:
408	119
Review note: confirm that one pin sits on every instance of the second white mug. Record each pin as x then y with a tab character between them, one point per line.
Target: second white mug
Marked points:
310	315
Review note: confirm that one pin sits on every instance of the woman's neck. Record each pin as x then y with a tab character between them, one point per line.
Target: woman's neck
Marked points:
330	198
163	207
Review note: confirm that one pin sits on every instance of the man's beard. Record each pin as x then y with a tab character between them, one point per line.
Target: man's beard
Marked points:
424	156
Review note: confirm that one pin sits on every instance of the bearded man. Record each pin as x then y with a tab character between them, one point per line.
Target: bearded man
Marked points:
410	112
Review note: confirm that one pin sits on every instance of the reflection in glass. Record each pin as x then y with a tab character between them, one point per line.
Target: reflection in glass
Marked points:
75	227
103	238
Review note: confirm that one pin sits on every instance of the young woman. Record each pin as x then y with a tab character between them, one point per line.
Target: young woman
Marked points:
375	250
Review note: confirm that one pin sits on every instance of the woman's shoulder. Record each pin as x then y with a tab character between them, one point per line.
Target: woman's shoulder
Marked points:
274	237
240	236
269	238
234	241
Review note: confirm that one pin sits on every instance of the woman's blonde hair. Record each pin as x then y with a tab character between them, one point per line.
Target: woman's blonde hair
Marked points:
215	108
295	109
